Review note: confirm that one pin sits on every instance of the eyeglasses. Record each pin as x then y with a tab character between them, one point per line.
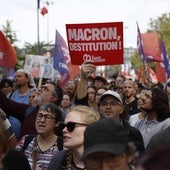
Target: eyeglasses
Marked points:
47	118
106	104
71	125
45	88
95	162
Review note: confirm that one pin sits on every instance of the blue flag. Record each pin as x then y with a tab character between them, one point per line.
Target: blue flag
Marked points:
60	58
164	55
140	45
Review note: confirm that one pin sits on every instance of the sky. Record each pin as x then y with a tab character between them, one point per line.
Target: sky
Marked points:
23	15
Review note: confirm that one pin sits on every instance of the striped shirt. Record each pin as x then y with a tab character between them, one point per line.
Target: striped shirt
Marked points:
43	157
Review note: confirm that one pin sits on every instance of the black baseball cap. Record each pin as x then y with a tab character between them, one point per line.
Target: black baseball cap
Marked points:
105	135
100	78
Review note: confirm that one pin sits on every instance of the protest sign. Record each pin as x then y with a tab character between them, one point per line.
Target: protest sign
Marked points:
100	42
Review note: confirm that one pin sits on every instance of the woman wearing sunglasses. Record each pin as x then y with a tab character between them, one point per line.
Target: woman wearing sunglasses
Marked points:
74	126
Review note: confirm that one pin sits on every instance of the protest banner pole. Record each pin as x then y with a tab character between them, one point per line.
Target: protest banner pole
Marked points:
40	81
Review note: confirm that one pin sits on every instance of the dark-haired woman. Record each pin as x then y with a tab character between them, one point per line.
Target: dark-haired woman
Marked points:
42	147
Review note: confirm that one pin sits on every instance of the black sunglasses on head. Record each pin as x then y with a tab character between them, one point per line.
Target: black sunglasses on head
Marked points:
71	125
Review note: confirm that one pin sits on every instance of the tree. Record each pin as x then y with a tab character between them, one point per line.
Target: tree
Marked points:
162	26
21	52
32	48
136	60
11	35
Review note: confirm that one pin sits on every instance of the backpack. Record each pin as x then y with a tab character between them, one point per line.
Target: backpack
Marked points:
29	138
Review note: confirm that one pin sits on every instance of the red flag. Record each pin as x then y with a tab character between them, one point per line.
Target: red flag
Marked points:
146	76
160	72
8	55
44	11
151	46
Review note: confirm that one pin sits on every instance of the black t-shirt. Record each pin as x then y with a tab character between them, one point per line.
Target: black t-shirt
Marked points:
132	108
134	136
15	160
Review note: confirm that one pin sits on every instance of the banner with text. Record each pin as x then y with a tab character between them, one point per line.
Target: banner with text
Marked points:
100	42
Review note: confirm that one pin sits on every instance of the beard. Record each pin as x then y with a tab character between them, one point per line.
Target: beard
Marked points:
37	100
18	85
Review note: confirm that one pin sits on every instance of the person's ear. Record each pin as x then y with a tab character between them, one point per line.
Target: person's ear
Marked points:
122	109
54	99
57	124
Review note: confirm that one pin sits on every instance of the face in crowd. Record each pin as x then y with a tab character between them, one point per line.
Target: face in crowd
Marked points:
110	107
48	119
46	93
75	124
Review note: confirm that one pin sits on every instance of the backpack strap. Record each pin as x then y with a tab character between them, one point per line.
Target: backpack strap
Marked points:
10	96
28	139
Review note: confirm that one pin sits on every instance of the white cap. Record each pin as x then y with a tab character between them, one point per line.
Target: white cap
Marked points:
111	93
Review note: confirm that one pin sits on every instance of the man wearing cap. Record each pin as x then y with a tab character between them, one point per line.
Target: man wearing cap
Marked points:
111	106
106	146
23	83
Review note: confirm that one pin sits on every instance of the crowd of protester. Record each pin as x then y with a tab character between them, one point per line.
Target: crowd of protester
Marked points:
91	123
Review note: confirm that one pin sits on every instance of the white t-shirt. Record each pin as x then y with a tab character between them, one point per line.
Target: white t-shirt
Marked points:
133	119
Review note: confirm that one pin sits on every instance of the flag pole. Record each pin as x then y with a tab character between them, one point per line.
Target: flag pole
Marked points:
141	52
47	3
38	27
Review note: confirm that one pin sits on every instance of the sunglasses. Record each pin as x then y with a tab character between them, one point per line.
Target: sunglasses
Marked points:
71	125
